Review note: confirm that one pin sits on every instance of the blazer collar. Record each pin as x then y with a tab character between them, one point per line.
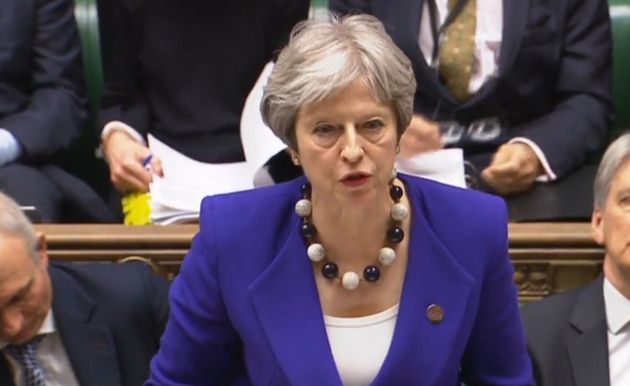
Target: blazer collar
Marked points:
588	350
89	346
286	300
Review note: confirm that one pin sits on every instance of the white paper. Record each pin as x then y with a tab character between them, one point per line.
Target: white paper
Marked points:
445	166
187	181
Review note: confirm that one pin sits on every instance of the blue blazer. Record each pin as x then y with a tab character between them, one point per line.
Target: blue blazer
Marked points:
245	304
554	81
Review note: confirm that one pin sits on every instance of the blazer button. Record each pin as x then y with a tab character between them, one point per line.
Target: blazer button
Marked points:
435	313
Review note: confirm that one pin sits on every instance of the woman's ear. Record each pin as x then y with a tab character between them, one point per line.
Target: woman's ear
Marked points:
295	157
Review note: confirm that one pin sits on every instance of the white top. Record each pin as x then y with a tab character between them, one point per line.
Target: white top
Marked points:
51	356
359	345
617	318
488	36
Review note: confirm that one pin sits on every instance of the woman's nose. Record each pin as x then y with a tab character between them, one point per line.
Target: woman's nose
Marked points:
352	150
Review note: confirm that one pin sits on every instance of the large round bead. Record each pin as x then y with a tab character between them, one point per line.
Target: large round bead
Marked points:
330	270
308	229
395	192
399	212
315	252
350	280
371	273
395	234
306	189
303	208
386	256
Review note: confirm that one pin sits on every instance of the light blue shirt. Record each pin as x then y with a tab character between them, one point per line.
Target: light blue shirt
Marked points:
9	147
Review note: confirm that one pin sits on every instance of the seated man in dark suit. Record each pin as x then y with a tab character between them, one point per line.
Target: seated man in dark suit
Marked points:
73	324
42	108
582	337
523	86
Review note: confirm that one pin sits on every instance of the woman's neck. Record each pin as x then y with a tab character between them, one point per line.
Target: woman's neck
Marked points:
352	232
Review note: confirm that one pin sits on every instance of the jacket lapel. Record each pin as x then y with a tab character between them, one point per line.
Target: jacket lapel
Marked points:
588	350
90	347
433	277
515	16
294	325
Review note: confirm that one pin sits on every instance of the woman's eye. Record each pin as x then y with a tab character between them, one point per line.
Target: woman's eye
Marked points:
373	124
624	202
323	129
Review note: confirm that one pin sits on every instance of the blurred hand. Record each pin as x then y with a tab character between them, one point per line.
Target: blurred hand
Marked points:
514	168
421	136
124	156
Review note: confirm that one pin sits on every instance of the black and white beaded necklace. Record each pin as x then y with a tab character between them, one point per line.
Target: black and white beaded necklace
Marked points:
386	255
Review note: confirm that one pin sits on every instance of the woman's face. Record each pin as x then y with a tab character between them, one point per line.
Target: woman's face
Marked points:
346	144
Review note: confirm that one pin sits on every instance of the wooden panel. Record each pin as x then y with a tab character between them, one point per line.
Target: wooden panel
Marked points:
548	257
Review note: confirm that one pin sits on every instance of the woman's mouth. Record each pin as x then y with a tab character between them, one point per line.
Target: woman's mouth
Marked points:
355	179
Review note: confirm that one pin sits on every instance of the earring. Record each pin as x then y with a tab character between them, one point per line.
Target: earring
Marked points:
296	160
397	149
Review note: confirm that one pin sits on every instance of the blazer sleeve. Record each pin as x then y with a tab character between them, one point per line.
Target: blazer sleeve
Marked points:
56	112
496	353
124	98
199	345
581	118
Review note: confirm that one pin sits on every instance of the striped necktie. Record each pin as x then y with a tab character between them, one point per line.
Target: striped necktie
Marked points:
457	50
25	356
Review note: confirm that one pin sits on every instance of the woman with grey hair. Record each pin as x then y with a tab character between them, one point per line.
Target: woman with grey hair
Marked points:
353	274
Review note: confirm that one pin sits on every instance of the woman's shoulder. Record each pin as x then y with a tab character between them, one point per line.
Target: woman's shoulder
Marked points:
253	202
436	197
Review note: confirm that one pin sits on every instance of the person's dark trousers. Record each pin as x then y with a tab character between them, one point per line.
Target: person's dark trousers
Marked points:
57	195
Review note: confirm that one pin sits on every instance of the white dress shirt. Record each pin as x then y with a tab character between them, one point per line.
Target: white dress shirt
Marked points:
9	147
51	356
618	320
488	38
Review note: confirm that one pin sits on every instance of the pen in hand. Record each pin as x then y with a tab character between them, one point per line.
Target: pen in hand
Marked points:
146	162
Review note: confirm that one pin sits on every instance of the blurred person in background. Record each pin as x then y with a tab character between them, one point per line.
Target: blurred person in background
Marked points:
43	110
582	337
73	324
523	86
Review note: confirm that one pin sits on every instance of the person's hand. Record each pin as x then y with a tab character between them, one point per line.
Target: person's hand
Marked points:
125	156
421	136
514	168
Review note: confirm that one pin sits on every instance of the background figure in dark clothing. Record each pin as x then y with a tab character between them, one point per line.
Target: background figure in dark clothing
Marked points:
540	91
42	108
182	71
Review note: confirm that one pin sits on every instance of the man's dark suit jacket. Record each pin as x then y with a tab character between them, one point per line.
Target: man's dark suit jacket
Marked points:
110	318
567	337
181	70
554	79
42	105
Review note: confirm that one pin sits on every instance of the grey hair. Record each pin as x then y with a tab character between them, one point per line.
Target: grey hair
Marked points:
324	56
13	222
616	154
